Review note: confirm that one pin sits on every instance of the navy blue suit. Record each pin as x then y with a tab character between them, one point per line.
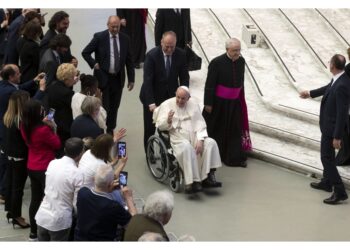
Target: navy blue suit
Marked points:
111	84
333	121
11	54
157	86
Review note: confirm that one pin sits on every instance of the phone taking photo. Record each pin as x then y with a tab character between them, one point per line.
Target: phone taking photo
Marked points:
51	114
123	178
121	147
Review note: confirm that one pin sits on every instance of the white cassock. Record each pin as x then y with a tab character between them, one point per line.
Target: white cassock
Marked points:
188	126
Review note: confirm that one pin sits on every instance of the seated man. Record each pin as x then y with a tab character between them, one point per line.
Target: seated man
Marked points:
197	154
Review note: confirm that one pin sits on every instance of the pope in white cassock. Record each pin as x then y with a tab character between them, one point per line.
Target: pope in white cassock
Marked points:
197	154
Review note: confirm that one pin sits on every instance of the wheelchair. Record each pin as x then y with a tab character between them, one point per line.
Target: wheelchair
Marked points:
162	162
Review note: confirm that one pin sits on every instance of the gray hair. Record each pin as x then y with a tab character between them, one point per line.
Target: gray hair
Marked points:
90	104
159	205
103	177
231	42
150	236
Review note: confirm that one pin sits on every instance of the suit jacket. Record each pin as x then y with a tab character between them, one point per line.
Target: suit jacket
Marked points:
139	224
167	19
11	54
59	97
334	106
100	45
29	56
44	45
49	65
3	34
157	87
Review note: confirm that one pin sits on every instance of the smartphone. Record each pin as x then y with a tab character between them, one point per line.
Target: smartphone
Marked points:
121	147
51	114
123	178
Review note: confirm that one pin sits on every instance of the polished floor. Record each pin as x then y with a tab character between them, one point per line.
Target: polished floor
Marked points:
263	202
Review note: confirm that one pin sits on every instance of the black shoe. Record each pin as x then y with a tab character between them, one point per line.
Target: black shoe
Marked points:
15	222
197	187
243	164
188	189
321	186
33	237
336	198
8	216
211	182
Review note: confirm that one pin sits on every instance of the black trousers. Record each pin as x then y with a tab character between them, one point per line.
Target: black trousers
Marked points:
37	184
148	125
3	167
16	176
330	172
111	96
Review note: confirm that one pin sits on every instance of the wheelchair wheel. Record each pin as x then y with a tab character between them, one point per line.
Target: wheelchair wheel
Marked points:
176	181
157	158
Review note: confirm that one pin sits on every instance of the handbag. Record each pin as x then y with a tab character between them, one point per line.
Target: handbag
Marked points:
194	62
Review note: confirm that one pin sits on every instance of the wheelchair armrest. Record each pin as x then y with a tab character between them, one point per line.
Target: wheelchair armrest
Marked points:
165	137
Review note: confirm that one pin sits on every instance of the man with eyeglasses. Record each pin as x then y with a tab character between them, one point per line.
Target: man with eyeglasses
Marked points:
165	69
225	109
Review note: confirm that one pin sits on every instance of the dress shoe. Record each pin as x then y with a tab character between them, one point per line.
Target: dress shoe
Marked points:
211	182
336	198
197	187
243	164
321	186
20	222
8	216
188	189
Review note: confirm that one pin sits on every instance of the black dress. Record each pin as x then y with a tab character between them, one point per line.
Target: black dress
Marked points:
227	123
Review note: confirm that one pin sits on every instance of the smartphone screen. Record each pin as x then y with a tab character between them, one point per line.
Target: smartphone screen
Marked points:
123	178
51	114
121	147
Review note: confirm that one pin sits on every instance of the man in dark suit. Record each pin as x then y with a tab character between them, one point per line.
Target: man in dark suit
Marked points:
333	120
165	69
58	24
112	55
3	34
177	20
51	59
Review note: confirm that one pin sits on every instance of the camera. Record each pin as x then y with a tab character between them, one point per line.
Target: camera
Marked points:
51	114
121	147
123	178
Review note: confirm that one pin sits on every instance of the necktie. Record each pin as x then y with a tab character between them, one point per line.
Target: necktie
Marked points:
116	54
167	66
58	59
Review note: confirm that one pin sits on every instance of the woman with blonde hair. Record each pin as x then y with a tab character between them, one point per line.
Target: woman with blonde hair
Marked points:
17	153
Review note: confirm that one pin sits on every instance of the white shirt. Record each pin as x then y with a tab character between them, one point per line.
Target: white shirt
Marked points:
335	77
63	181
111	65
88	165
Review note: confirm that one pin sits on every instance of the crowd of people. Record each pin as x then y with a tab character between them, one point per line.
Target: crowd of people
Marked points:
65	140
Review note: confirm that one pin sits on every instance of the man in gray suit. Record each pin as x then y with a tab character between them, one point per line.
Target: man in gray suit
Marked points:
50	60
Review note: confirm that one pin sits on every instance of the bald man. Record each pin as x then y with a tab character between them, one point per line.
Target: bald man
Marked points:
197	154
112	56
